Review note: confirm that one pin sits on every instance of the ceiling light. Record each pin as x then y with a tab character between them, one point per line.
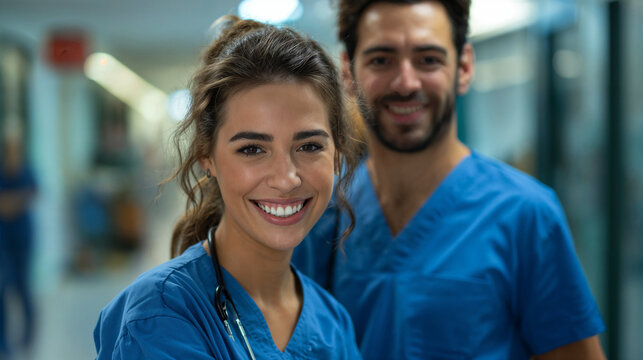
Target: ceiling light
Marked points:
489	18
126	85
272	12
178	104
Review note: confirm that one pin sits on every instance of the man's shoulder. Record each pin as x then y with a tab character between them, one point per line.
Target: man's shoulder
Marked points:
494	184
501	177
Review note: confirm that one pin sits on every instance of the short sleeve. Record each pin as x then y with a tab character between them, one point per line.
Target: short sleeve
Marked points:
161	337
556	305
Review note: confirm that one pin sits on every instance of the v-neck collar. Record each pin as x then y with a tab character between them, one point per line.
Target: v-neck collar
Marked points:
433	207
373	225
255	324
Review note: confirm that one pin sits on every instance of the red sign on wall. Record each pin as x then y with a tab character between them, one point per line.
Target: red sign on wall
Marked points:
67	49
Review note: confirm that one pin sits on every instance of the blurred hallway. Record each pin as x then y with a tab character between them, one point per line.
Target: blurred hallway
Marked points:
68	312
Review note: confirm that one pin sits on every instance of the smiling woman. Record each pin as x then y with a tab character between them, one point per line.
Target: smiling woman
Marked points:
267	126
274	156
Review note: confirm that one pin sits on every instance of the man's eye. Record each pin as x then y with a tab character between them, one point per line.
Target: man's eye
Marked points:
250	150
379	61
430	60
310	147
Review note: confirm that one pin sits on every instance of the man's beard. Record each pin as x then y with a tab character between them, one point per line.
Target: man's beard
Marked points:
440	116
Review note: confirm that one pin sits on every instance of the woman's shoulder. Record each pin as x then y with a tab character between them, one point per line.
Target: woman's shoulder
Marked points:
166	296
163	288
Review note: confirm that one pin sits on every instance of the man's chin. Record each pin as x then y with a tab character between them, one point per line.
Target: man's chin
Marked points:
405	145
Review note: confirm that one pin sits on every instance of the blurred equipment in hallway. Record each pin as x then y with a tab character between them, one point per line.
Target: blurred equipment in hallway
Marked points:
107	213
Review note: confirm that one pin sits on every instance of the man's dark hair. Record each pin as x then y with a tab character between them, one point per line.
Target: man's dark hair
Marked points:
350	12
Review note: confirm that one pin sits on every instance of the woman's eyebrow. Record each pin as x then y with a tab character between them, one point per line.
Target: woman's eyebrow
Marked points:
310	133
250	135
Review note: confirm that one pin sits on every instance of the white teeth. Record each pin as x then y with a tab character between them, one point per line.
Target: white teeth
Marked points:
404	110
280	211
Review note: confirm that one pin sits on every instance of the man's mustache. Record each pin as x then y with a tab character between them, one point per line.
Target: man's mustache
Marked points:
395	97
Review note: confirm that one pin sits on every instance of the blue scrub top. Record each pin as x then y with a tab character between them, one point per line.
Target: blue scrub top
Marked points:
17	233
486	269
168	313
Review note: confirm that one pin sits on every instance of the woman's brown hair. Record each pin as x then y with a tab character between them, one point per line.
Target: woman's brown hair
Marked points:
247	54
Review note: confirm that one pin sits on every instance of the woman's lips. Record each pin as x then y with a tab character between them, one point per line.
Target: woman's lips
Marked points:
282	212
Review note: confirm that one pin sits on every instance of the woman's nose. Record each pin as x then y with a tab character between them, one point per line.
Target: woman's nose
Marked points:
284	174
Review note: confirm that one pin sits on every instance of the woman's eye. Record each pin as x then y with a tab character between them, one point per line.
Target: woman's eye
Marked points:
250	150
310	147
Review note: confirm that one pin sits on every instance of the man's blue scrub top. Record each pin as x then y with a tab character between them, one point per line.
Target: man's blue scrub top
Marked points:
486	269
168	313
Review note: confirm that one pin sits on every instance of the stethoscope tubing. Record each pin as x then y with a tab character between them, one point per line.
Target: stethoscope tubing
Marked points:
222	297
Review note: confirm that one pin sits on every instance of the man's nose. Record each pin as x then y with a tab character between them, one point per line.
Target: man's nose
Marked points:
407	80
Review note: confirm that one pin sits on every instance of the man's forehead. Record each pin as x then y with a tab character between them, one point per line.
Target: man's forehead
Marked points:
404	25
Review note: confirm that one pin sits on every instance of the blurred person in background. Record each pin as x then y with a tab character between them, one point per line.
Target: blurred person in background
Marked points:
453	255
17	191
267	126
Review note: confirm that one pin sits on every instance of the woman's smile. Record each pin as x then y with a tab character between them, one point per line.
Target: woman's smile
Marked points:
281	209
283	213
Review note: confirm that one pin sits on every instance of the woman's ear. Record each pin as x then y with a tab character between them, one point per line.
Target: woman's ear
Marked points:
207	164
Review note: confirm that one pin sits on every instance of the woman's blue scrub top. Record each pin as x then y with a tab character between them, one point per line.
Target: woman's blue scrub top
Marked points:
485	269
168	313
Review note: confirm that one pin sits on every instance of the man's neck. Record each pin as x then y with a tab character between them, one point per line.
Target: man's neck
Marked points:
403	181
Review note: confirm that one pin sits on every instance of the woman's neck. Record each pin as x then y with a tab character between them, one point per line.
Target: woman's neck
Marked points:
266	276
264	273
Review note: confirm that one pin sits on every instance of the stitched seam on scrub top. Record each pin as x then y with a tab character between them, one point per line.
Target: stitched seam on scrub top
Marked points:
167	277
127	325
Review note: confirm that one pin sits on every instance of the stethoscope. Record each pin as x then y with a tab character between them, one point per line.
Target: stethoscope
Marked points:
222	297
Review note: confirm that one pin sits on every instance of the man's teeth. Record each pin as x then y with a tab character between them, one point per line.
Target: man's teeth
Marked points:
281	211
405	110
